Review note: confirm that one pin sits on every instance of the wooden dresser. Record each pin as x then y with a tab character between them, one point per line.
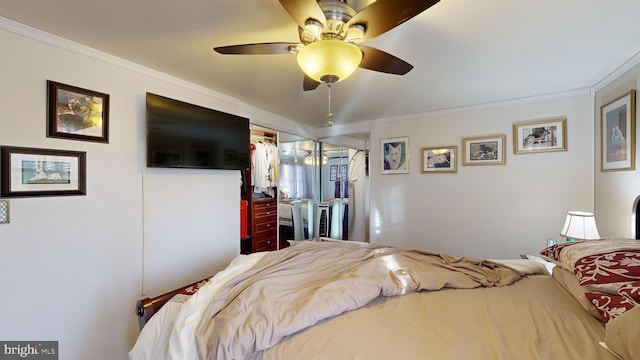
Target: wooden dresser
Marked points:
264	224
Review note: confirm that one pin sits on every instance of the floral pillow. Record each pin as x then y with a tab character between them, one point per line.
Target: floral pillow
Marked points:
610	306
609	271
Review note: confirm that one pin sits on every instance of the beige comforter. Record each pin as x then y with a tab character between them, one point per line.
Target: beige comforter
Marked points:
297	287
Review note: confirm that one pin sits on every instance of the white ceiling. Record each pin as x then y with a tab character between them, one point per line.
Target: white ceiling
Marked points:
465	52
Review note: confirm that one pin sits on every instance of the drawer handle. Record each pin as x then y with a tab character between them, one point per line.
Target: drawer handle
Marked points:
268	225
268	212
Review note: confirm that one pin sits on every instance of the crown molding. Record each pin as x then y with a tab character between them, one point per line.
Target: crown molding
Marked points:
492	105
62	43
619	71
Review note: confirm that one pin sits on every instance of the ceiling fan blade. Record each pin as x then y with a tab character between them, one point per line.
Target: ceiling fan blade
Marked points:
383	15
257	49
378	60
303	10
309	83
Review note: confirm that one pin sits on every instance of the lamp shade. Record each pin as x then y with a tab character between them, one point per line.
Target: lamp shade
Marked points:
580	225
329	60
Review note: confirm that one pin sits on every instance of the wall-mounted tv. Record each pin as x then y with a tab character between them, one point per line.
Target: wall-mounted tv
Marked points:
182	135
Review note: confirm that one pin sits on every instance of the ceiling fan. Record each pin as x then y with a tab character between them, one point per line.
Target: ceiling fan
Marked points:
329	32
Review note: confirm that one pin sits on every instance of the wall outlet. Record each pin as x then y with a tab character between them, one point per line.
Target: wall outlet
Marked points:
4	211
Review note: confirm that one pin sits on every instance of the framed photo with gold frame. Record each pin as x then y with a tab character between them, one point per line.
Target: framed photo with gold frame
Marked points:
484	150
543	135
440	159
617	133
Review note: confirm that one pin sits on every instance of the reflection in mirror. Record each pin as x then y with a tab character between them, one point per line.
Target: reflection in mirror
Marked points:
297	180
344	186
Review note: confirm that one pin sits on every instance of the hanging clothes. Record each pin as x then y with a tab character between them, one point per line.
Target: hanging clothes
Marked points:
263	168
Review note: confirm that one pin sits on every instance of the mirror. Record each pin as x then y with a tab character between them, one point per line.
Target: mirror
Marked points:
297	182
344	185
323	187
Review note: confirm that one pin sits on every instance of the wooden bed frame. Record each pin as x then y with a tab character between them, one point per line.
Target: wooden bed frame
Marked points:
145	308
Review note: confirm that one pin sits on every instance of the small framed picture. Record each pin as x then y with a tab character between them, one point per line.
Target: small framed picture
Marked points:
333	173
618	141
394	156
484	150
41	172
442	159
76	113
542	135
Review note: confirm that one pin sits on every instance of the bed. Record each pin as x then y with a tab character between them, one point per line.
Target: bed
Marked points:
331	299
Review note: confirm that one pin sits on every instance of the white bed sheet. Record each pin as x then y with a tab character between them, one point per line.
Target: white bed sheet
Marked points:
173	326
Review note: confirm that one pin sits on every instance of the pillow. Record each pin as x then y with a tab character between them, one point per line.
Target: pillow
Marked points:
610	306
603	265
622	334
547	264
631	291
608	270
570	283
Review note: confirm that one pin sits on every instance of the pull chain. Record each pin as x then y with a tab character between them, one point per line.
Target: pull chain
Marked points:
329	115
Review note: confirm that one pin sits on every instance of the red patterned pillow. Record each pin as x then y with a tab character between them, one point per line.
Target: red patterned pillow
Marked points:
610	306
195	287
631	291
614	267
608	270
553	251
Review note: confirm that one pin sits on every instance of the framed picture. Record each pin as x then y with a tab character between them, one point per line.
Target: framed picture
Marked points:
344	172
618	142
394	156
76	113
333	173
540	136
484	150
41	172
442	159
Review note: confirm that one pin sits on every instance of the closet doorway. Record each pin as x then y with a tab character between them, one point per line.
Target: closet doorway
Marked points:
322	189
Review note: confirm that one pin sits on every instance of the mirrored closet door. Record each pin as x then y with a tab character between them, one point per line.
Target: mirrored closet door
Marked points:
344	186
298	188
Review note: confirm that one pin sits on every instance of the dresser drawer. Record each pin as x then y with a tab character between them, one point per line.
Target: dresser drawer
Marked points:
265	216
265	226
265	241
266	245
260	207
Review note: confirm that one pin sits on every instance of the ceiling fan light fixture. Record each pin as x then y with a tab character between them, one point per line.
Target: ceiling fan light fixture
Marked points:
356	32
312	31
330	59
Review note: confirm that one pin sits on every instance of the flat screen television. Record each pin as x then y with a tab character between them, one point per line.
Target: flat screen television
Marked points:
182	135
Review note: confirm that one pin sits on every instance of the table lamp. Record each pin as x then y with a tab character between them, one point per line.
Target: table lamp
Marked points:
580	225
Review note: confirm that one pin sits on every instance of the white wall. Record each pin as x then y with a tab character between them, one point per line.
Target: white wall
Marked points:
615	190
497	211
72	267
